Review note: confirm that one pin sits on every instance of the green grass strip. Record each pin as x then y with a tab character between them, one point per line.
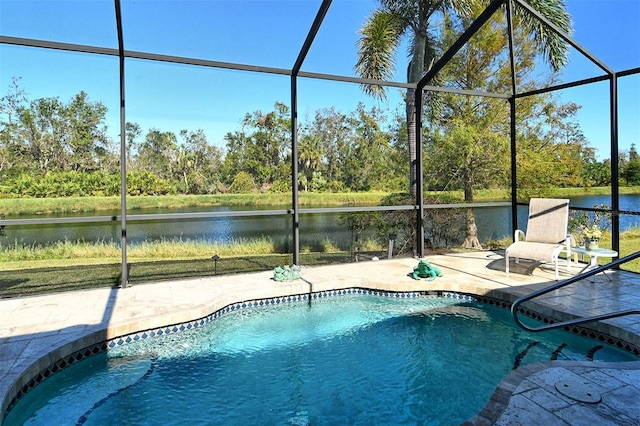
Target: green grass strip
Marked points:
33	281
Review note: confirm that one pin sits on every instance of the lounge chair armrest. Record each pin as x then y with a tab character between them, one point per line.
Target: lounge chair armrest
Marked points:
516	235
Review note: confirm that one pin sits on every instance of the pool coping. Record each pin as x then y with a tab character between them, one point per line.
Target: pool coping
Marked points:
70	349
522	380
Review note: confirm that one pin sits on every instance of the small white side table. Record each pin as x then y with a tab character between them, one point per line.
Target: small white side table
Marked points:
593	255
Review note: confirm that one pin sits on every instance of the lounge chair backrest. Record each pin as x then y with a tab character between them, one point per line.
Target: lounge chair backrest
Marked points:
548	220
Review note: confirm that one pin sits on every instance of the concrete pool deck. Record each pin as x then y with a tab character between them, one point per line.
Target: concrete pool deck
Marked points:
36	332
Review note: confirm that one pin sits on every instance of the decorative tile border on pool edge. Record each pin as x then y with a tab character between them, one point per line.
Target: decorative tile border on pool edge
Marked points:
257	303
575	329
532	313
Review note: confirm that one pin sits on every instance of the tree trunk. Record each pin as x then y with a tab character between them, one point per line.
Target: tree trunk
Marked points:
412	138
471	241
414	74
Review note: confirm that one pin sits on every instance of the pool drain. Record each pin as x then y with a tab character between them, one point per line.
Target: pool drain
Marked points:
577	391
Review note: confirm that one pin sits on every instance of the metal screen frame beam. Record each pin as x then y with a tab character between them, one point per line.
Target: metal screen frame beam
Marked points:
512	120
313	31
124	273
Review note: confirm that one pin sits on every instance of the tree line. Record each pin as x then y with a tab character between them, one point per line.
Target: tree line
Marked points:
55	148
50	147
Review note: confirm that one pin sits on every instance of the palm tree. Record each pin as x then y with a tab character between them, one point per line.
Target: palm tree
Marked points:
310	155
386	27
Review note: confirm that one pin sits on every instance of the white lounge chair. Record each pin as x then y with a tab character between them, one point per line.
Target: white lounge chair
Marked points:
546	235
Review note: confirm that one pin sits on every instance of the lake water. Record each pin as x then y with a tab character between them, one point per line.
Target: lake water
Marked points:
494	222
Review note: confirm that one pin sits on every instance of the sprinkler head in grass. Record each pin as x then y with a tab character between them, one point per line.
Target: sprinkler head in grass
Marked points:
215	258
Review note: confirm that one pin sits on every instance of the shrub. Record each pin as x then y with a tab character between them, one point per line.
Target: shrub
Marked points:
442	227
242	184
147	183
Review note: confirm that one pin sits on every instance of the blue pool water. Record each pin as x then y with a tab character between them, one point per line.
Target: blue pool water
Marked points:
357	360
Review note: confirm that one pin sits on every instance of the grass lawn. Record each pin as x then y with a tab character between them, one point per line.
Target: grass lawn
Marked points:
40	277
54	276
18	206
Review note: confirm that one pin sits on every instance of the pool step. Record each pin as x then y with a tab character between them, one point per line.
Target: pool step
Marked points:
589	356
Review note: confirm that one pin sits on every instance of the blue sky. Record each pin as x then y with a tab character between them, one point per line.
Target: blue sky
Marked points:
270	33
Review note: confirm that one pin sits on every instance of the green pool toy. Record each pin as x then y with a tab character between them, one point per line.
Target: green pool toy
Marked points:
286	273
426	270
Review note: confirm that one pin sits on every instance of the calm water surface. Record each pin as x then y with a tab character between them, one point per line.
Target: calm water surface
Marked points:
494	222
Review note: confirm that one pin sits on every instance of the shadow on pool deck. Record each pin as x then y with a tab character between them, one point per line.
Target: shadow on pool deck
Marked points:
36	332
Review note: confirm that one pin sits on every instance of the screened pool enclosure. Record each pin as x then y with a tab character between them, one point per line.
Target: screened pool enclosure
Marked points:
216	77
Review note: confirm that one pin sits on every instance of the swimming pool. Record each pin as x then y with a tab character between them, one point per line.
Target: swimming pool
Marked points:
359	359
